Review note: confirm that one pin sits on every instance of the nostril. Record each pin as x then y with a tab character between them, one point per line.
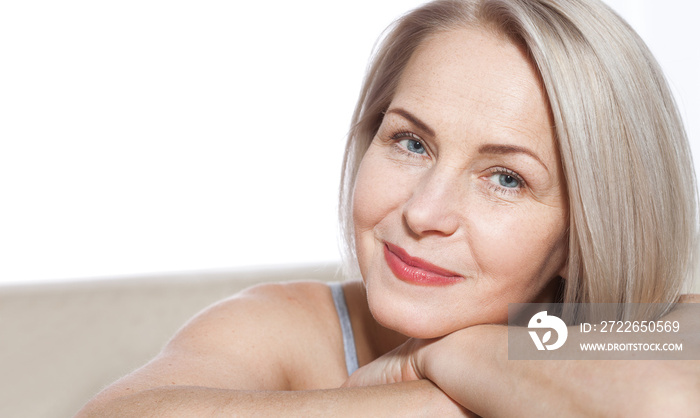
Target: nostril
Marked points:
430	216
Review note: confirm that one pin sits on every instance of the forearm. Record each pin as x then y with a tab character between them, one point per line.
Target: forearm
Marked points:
472	367
418	398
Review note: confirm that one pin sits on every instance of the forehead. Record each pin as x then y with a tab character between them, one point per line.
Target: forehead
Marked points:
481	83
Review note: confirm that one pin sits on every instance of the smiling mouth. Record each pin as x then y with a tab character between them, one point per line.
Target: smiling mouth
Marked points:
415	270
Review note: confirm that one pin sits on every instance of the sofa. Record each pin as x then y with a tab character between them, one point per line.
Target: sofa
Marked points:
61	343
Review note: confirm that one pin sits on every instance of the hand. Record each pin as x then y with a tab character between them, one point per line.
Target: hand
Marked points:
402	364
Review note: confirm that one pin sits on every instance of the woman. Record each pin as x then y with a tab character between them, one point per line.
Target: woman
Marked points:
500	152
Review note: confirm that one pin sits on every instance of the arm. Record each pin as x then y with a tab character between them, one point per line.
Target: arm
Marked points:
418	398
484	378
472	366
272	349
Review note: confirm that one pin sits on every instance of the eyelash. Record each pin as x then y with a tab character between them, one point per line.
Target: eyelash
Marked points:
398	136
506	190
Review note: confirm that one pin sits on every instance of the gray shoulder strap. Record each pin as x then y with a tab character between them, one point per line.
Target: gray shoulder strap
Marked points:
345	326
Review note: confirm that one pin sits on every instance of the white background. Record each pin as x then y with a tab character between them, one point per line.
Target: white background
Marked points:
156	136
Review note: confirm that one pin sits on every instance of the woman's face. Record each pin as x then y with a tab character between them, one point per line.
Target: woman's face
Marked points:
459	204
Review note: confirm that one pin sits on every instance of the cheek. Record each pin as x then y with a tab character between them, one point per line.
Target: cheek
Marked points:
377	192
368	207
525	248
381	187
365	207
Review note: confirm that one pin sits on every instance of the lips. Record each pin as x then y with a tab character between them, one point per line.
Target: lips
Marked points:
415	270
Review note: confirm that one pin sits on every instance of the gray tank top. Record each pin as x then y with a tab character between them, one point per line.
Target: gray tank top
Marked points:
345	326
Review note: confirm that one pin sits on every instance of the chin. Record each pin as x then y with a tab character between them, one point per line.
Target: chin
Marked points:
426	322
411	330
413	322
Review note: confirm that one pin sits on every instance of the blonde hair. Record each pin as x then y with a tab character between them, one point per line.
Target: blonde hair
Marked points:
624	152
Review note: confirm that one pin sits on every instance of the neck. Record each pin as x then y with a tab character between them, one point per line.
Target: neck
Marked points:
372	340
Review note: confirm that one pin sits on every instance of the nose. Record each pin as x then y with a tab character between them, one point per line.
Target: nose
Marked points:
434	206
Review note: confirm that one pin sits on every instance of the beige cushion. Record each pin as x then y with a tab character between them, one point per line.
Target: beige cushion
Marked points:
61	343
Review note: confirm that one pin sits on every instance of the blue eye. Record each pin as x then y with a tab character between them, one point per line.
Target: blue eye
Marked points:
506	180
413	146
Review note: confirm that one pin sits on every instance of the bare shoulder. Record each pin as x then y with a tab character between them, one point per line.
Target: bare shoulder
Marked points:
266	337
271	337
689	298
235	325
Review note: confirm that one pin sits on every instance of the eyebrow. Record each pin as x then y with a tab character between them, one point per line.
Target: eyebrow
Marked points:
500	149
411	118
497	149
